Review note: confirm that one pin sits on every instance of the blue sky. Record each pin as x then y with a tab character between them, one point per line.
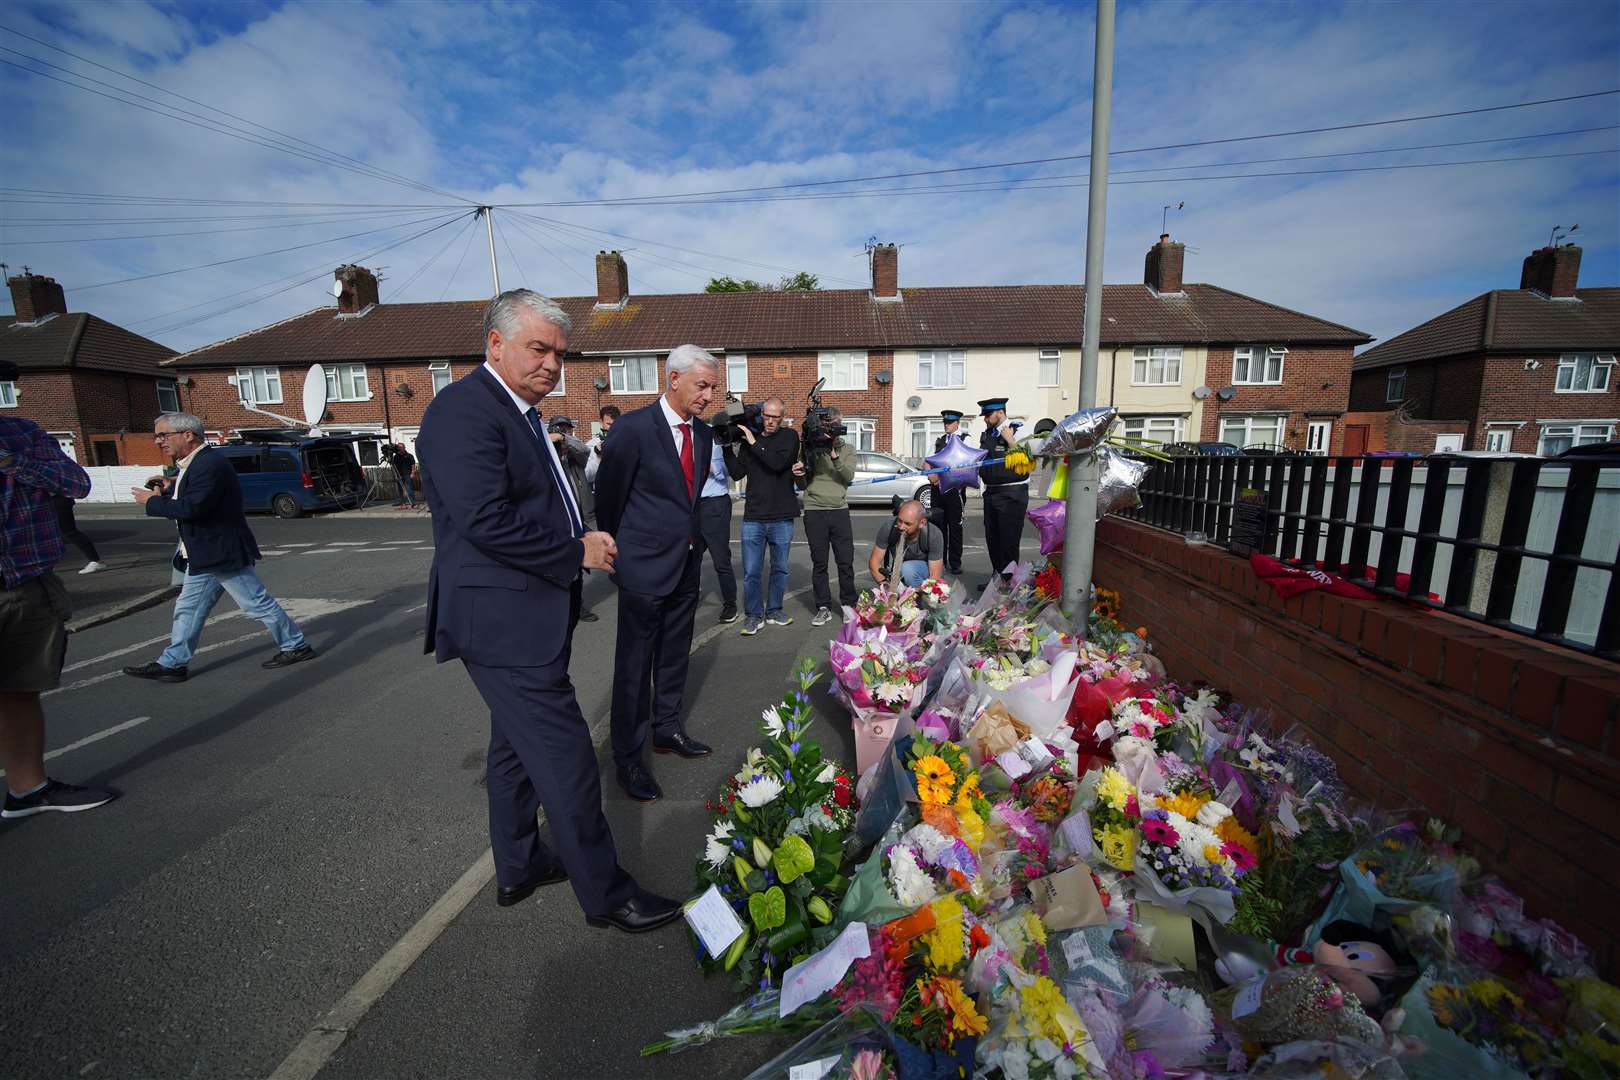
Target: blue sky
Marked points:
520	103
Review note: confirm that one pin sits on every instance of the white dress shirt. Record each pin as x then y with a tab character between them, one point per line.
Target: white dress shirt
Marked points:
184	464
523	408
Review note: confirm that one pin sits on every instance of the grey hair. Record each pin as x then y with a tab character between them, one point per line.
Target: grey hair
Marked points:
502	313
684	358
181	421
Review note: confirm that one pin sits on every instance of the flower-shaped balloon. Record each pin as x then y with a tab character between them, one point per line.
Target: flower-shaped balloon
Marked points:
963	462
1049	520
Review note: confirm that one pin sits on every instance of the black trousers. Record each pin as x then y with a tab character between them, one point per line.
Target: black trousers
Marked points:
70	529
540	755
951	506
831	529
1004	509
650	658
714	521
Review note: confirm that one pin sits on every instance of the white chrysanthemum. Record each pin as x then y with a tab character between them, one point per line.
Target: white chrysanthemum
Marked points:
717	851
892	693
1194	839
1192	1003
1212	813
929	842
773	721
759	790
912	887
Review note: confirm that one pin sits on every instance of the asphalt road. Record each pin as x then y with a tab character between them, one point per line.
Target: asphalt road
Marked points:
279	831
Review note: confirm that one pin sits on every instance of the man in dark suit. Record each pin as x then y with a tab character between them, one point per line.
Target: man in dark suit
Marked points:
217	550
503	597
647	496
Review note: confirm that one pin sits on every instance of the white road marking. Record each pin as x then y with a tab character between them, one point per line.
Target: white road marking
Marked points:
323	551
97	737
350	543
95	679
310	544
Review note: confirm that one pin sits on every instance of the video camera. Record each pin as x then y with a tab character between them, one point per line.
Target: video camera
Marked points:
733	416
819	431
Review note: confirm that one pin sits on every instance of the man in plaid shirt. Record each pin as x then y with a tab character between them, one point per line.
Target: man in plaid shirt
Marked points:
33	611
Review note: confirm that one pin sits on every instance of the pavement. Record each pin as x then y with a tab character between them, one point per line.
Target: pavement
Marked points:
281	833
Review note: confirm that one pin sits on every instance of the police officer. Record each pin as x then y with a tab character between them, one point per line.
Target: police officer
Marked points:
1006	494
950	502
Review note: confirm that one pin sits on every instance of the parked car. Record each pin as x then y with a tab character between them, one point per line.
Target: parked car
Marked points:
291	478
909	483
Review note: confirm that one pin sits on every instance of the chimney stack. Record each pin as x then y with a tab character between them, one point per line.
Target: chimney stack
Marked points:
1552	271
612	279
359	289
35	296
1162	270
886	272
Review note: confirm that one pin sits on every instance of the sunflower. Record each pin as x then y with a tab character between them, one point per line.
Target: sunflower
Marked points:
934	779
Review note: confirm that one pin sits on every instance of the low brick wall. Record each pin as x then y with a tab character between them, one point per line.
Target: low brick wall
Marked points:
1509	739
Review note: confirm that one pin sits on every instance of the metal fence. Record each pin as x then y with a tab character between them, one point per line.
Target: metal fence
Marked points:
1522	544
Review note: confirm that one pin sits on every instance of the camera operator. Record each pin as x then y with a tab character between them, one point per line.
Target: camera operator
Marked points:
607	414
908	550
826	520
770	463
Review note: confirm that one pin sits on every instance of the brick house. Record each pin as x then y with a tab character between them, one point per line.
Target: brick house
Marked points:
96	387
1528	370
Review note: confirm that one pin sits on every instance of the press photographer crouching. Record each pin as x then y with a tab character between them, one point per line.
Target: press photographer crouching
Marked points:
769	460
908	550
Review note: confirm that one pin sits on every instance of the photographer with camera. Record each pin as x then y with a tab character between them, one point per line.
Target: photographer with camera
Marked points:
908	550
770	462
826	512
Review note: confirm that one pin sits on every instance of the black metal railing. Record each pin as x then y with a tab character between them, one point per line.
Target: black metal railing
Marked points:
1522	544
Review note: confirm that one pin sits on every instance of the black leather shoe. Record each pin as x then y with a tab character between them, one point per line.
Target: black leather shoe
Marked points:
285	658
638	782
158	672
507	895
680	743
641	913
588	616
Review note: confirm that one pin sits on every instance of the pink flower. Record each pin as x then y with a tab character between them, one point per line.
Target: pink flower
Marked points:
1132	808
1241	857
1141	730
1159	832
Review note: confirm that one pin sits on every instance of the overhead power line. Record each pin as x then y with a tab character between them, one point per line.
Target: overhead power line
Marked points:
204	232
398	293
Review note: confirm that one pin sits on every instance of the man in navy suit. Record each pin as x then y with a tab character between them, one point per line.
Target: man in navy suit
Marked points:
217	550
503	597
647	496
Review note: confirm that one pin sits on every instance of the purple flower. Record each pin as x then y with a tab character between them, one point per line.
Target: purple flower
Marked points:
787	776
737	844
794	746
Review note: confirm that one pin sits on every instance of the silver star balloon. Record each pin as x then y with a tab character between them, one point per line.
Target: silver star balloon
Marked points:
1080	432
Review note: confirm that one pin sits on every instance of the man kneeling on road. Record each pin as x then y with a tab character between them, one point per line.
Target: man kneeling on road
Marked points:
920	548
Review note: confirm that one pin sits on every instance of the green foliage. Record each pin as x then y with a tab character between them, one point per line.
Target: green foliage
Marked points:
800	282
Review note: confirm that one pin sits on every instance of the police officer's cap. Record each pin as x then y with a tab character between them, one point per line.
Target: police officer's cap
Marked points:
990	405
951	416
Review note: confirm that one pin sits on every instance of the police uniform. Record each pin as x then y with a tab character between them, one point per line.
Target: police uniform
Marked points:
951	504
1006	495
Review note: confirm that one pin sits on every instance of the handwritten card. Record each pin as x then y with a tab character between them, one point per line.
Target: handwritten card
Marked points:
814	1070
1248	998
811	978
713	921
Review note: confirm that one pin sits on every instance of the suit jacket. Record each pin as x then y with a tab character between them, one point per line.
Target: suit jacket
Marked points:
505	559
208	511
641	498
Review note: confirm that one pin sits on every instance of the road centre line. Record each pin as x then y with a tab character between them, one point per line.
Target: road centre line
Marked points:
316	1048
88	739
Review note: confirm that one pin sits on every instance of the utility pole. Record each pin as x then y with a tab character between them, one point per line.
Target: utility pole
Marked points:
488	214
1080	527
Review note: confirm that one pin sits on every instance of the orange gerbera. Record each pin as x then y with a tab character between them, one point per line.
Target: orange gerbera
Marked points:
1233	832
965	1016
935	781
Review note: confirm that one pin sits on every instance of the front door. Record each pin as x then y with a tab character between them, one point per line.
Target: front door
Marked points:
1355	439
1317	435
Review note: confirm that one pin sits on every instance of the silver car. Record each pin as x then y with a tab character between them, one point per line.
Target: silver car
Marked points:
908	484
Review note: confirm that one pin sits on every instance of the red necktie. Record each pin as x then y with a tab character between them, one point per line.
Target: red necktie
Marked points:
686	456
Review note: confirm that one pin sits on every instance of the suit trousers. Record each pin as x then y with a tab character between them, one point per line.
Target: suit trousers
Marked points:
824	529
951	505
714	519
1004	508
540	755
650	660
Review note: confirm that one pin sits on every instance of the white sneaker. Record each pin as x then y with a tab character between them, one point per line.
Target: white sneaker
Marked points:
92	567
822	617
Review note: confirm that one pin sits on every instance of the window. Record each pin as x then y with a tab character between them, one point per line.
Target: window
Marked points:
259	385
1048	364
347	382
924	433
1499	440
1258	365
1583	373
440	374
246	462
1556	438
562	384
1158	366
168	395
1157	429
633	374
1252	430
1395	385
1448	444
862	432
1318	434
941	369
8	395
737	373
844	370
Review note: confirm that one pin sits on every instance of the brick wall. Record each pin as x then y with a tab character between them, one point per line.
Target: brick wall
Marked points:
1511	740
1315	380
93	406
216	402
1387	431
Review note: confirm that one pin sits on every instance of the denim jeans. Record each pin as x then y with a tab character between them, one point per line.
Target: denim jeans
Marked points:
913	572
407	489
755	536
198	597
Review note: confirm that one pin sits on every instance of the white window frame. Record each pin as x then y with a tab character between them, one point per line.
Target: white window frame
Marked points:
1499	438
923	434
1578	432
359	388
1570	364
562	384
737	362
247	380
1053	357
618	372
1312	427
1160	429
1247	355
1142	358
8	395
954	362
172	387
827	367
440	375
1450	442
1248	422
1395	385
862	432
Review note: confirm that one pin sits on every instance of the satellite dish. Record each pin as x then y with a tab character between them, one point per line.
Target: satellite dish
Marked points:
914	402
337	288
1226	393
1201	393
314	397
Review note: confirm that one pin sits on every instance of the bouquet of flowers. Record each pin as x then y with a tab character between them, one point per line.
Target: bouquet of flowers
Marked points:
876	675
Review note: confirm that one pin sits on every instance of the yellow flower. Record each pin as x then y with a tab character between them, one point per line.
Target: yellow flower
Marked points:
1184	803
971	824
969	790
965	1016
1034	928
1448	1003
1114	789
1048	1014
1020	463
945	944
1118	845
1234	833
1212	854
934	779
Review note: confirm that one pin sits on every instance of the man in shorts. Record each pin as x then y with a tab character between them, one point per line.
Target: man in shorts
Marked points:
33	611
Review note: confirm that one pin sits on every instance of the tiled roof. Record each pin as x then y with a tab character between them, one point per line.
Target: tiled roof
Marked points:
779	321
79	340
1523	321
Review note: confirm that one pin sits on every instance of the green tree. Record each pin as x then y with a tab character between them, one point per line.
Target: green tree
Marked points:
803	281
